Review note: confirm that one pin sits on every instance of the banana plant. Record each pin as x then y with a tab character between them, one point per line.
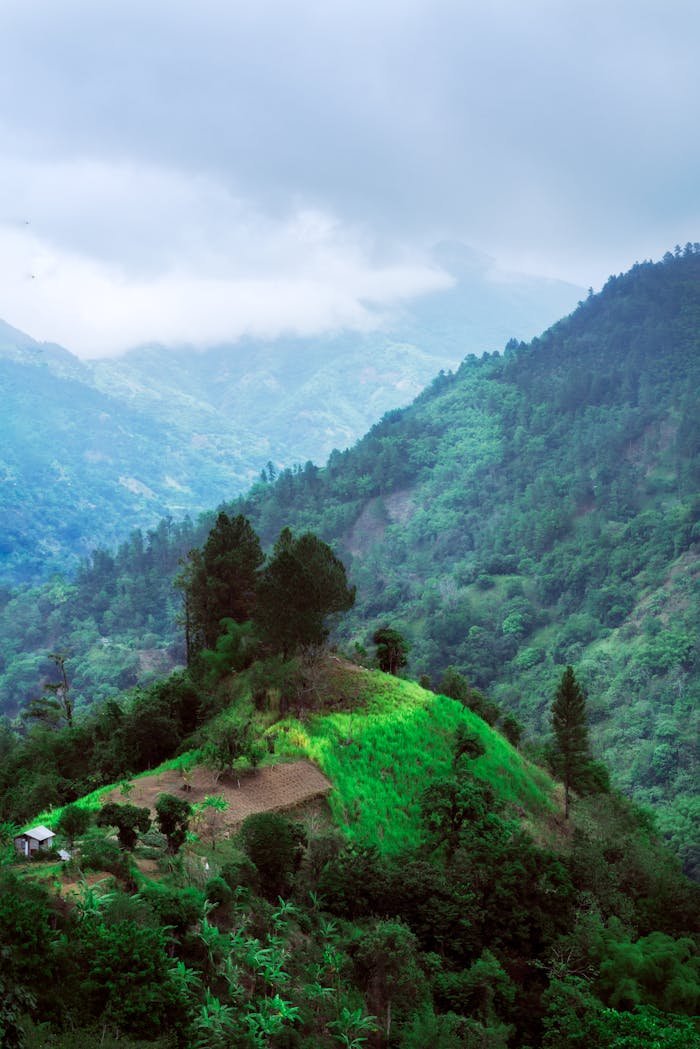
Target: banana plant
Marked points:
215	1023
352	1027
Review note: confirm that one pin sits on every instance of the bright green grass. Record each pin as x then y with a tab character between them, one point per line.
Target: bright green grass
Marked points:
380	760
381	756
93	801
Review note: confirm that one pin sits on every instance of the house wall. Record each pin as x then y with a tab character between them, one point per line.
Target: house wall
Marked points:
26	846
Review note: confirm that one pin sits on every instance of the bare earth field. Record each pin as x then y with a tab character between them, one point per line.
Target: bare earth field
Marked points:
272	788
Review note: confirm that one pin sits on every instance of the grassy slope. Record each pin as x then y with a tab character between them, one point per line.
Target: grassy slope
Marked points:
389	742
382	756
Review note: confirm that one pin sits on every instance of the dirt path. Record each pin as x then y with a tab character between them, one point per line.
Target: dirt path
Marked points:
273	788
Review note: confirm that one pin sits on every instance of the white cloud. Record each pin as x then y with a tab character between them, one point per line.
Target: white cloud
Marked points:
112	257
291	143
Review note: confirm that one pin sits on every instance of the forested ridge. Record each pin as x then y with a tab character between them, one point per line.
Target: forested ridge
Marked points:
442	898
536	508
463	886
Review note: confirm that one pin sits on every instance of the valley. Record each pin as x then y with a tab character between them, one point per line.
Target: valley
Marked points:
245	801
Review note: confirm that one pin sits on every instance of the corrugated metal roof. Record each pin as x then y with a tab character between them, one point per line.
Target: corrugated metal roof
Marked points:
39	833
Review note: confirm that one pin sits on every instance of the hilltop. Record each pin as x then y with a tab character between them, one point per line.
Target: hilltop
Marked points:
372	917
535	508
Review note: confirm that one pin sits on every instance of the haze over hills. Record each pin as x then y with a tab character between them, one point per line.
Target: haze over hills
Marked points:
93	449
533	509
349	578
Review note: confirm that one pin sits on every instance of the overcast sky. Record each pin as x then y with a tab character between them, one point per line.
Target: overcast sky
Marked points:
192	171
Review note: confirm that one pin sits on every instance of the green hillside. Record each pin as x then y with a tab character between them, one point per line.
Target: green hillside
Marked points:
372	921
533	509
382	756
541	508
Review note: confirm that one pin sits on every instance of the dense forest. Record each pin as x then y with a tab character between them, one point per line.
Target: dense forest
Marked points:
448	893
534	509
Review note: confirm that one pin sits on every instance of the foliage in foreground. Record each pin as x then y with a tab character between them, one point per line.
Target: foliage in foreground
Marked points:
440	906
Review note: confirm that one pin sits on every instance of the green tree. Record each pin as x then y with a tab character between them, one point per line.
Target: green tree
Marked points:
392	649
128	819
458	800
387	964
454	685
56	703
233	739
273	845
128	980
173	815
219	581
572	752
302	585
73	822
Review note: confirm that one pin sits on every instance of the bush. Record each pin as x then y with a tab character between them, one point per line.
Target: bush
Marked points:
99	852
219	892
273	844
177	908
240	871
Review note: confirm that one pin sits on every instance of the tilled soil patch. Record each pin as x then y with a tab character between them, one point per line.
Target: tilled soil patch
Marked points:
272	788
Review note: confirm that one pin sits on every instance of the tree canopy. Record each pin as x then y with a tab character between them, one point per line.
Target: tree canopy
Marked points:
219	581
572	752
301	587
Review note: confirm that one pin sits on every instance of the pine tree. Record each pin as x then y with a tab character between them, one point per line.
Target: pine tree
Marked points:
219	581
302	586
572	753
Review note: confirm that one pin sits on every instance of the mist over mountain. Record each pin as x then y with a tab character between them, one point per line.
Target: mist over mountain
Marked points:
532	509
93	449
349	550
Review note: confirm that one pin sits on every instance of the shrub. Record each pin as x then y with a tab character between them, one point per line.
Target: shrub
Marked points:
218	892
273	844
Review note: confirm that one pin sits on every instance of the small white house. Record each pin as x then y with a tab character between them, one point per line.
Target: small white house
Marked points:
38	838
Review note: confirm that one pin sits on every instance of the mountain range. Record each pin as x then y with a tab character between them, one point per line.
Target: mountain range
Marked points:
91	449
533	509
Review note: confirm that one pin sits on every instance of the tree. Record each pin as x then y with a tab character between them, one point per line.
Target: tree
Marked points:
173	815
387	962
73	822
219	581
303	584
56	703
273	844
454	685
450	804
128	819
128	980
392	649
512	730
210	818
233	739
467	745
572	753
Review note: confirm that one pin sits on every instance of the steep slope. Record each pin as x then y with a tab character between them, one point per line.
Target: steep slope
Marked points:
541	508
382	750
532	510
93	449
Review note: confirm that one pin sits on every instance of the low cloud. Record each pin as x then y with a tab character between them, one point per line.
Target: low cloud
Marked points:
113	257
221	149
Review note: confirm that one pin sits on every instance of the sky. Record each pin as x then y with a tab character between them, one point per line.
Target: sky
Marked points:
182	172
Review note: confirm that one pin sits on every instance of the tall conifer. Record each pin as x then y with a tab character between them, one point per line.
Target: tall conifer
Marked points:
572	752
